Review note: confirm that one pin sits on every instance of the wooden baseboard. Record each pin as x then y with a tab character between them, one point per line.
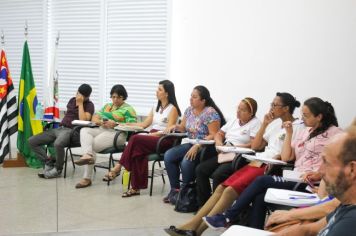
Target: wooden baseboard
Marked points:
18	162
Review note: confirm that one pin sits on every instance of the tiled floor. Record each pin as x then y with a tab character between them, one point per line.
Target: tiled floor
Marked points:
33	206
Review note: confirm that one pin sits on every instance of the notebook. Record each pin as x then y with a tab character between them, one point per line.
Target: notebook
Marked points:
234	149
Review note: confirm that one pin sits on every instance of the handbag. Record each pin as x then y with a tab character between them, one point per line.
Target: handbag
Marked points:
238	162
226	157
187	199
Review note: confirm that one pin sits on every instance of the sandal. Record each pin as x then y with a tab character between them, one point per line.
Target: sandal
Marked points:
131	192
111	175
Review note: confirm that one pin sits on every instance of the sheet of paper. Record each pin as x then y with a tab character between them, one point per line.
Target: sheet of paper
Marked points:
234	149
263	159
235	230
290	198
291	175
128	128
200	141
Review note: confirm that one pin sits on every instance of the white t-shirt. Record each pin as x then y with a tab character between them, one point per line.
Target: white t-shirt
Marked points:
160	120
275	136
237	134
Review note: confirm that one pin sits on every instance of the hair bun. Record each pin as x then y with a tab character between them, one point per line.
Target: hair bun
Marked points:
297	103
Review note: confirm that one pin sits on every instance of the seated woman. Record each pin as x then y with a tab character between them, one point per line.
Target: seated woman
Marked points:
94	140
238	132
134	157
305	149
201	121
270	133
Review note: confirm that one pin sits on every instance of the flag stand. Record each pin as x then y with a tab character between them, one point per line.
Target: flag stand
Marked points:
18	162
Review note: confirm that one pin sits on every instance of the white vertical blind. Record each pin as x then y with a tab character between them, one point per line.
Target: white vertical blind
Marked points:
137	48
102	43
13	15
79	23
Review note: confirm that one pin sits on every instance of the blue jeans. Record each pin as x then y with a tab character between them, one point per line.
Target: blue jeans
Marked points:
254	194
175	161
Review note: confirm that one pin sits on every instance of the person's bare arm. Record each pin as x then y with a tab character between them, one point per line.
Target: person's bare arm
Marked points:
287	153
79	100
311	229
308	213
144	124
258	142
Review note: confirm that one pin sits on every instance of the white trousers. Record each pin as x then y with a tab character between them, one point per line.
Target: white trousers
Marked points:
93	140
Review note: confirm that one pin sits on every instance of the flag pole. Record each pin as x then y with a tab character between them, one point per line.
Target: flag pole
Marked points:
26	30
2	48
20	160
2	38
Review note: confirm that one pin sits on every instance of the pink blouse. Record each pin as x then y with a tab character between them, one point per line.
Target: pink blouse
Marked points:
308	152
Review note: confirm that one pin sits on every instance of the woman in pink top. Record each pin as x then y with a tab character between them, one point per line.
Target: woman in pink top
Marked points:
321	122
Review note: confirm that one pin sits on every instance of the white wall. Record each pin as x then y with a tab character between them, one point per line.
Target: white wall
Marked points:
256	48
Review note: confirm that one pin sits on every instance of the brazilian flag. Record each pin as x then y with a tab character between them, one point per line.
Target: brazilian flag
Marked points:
27	125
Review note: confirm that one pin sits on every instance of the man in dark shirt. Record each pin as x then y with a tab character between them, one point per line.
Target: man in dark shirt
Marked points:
339	173
78	108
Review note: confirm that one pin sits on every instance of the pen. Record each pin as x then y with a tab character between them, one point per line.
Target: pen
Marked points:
296	197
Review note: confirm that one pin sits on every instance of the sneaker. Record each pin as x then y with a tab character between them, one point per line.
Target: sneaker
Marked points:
53	173
46	169
216	222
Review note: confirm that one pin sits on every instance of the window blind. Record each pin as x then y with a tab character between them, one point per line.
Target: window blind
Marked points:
137	48
14	14
78	57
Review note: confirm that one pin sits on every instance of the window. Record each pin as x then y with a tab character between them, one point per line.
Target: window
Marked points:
14	14
102	43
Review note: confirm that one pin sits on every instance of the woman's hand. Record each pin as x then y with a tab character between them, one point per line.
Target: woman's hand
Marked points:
169	129
311	176
268	118
288	127
279	217
109	124
193	151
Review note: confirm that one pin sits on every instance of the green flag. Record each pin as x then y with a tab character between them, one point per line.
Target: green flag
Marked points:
27	125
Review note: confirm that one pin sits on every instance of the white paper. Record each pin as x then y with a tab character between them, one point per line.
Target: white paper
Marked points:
83	123
283	197
234	149
292	175
263	159
200	141
235	230
128	128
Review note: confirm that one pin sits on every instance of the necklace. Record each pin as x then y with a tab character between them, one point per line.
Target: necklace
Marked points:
163	107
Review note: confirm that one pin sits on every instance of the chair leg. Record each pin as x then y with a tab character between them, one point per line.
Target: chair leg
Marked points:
110	160
71	156
164	181
152	176
65	164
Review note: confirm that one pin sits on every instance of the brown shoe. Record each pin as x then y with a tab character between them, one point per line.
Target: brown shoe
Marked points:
83	183
84	161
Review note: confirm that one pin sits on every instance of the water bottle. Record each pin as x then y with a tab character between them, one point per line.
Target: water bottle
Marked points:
39	111
125	180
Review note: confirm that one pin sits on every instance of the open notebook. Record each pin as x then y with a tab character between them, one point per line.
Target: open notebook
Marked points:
234	149
263	159
128	128
236	230
200	141
83	123
291	198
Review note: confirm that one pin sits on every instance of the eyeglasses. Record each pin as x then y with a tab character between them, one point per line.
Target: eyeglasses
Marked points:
273	105
116	97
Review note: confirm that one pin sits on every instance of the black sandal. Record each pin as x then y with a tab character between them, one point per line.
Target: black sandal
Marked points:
131	192
111	175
